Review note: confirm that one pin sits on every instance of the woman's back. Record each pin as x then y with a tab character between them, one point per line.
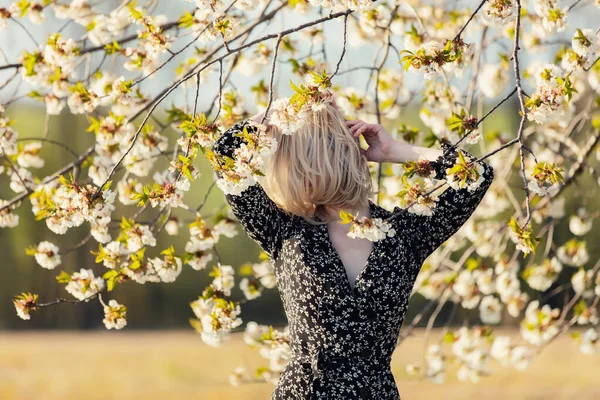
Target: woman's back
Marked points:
342	336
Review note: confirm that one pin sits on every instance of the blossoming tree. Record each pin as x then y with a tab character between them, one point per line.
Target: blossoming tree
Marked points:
469	56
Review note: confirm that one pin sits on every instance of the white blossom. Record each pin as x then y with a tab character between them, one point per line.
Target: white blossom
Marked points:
47	255
573	253
588	341
539	325
580	223
490	310
115	315
250	289
84	284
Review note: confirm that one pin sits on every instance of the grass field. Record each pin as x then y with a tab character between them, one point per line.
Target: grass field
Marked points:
177	365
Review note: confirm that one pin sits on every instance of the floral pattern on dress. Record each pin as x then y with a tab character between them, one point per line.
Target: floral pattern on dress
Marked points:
342	338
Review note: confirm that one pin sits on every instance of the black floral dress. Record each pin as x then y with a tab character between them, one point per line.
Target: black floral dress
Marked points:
342	338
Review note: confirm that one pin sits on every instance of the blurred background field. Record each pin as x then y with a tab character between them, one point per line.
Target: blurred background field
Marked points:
154	365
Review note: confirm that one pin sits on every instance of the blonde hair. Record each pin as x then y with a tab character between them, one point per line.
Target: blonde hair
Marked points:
318	168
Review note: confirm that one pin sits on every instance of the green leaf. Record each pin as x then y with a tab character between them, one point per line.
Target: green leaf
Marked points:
112	48
64	277
111	278
346	217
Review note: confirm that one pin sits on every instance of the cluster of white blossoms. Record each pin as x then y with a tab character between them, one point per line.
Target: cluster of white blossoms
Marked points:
260	276
211	21
582	284
469	346
16	9
135	236
169	186
53	66
289	114
541	276
50	68
105	27
115	315
25	303
285	116
585	43
151	36
101	28
491	289
573	253
522	237
46	254
552	97
483	233
508	287
539	324
417	179
203	238
466	288
462	176
224	278
498	12
373	229
83	284
435	58
113	137
132	264
582	54
167	267
435	360
553	17
272	345
248	160
217	317
431	283
546	179
67	204
517	357
374	21
414	194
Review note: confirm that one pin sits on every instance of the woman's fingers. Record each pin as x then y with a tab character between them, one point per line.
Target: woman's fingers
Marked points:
366	129
356	127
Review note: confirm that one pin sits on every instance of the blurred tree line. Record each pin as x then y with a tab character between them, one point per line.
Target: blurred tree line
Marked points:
164	306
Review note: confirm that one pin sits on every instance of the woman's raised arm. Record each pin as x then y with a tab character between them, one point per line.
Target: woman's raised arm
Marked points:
452	210
260	217
454	206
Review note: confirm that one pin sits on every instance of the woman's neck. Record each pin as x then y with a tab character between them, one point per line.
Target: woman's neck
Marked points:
362	210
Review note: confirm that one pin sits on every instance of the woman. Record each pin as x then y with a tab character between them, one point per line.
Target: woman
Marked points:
345	298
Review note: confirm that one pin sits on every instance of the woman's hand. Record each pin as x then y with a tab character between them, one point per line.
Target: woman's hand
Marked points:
380	142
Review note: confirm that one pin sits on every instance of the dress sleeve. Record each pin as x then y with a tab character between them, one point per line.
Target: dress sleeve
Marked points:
454	207
260	217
